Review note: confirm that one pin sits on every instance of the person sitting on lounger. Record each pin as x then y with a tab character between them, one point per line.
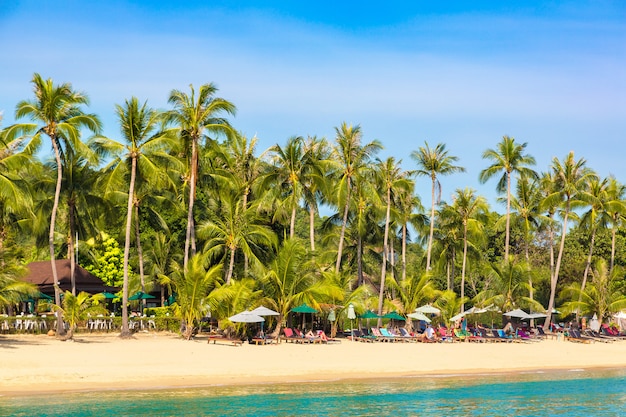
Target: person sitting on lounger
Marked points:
429	334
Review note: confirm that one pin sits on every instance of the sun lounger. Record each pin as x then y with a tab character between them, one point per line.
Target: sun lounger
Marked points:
215	338
574	335
290	336
405	335
378	336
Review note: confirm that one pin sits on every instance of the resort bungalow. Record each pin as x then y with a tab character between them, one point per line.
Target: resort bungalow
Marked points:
40	274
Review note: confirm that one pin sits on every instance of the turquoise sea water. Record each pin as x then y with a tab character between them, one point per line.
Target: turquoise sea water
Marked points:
571	393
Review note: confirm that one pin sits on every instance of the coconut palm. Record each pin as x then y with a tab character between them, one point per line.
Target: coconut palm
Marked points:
601	203
230	228
413	292
76	308
286	177
12	289
508	286
526	211
391	180
508	158
602	296
288	279
195	117
314	180
571	179
616	192
195	286
470	209
434	163
56	112
146	155
352	159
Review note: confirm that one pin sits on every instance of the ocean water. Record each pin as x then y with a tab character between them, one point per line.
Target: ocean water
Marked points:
566	393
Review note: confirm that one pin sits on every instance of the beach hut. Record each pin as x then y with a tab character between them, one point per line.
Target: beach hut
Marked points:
40	274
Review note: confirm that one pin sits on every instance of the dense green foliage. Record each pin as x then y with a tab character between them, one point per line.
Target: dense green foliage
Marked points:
206	219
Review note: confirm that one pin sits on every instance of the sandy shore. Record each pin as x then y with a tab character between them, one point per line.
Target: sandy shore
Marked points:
34	364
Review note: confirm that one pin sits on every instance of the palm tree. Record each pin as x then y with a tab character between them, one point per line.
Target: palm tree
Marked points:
602	296
391	180
353	159
314	180
409	208
286	175
147	153
508	158
56	112
194	118
571	178
194	286
12	289
526	206
76	308
616	192
288	280
230	227
470	208
433	163
413	292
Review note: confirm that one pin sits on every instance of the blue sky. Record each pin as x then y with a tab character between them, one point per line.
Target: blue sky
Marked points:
552	74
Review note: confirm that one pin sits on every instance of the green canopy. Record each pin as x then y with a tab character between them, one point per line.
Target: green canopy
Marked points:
303	308
140	295
43	296
394	316
369	314
108	295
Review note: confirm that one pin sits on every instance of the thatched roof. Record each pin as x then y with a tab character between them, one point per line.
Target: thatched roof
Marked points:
40	274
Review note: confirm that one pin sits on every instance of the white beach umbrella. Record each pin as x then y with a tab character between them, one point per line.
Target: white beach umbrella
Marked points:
428	309
264	311
246	317
458	316
518	313
419	316
537	315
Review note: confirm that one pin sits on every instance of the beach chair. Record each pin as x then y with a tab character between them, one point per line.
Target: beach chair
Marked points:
487	337
573	335
499	333
290	336
392	336
378	336
408	337
445	335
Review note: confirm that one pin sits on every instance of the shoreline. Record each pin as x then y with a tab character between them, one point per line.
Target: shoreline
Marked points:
38	365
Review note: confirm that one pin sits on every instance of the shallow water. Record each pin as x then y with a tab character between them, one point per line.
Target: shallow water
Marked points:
571	393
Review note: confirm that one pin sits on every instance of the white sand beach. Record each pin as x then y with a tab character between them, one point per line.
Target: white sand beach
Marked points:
38	363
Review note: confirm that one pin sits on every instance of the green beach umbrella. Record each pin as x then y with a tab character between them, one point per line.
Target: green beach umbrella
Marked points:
304	308
108	295
369	314
140	295
394	316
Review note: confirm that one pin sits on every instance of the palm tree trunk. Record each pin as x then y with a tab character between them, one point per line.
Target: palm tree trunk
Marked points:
463	269
508	216
125	332
192	198
343	227
613	234
383	271
140	254
57	195
587	267
312	227
432	226
245	207
292	223
70	248
359	261
231	266
403	252
555	277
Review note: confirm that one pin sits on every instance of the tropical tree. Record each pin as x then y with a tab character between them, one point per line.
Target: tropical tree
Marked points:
314	180
508	158
413	292
229	227
286	175
146	153
56	112
602	296
390	180
508	286
470	209
570	191
76	308
352	159
434	163
12	289
288	280
616	192
526	211
194	117
196	291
